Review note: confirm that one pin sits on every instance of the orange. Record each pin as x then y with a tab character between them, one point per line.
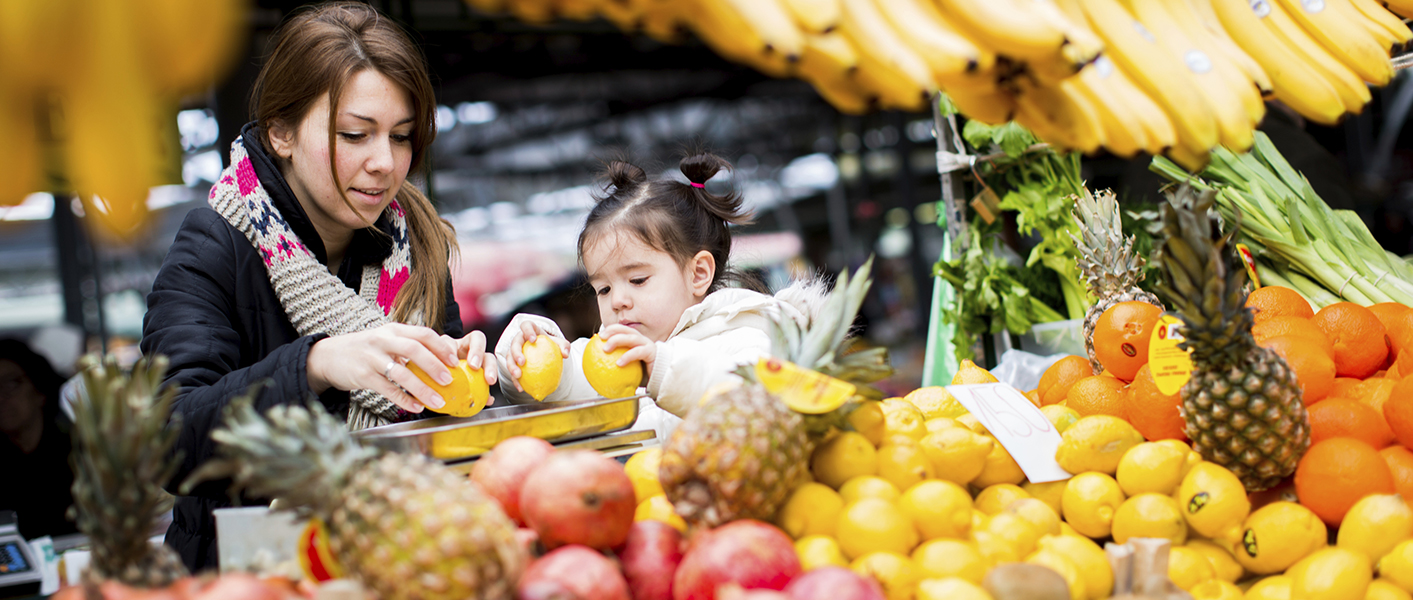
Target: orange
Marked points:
1400	465
1342	417
1274	301
1288	325
1394	317
1360	341
1121	337
1398	411
1055	382
1313	367
1153	414
1374	393
1098	395
1403	367
1344	387
1392	372
1336	473
1034	397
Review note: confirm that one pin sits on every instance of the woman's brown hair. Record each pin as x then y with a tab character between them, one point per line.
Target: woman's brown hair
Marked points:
317	50
680	219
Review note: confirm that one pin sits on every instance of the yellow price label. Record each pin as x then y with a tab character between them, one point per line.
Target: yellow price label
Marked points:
315	558
1171	365
1249	260
803	390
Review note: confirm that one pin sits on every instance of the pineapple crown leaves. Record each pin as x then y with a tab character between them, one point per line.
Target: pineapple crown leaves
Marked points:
1106	258
123	434
1202	279
301	454
824	344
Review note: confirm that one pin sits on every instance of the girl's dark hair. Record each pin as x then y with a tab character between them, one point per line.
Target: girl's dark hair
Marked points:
37	368
678	218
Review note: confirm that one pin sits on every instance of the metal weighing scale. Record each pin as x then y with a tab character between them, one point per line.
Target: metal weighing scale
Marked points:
19	571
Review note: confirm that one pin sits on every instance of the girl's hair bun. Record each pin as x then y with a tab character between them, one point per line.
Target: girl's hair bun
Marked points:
623	176
703	166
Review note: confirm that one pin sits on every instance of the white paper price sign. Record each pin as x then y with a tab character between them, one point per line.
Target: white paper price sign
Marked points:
1020	427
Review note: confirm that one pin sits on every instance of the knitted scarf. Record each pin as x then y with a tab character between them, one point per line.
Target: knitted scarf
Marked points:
314	299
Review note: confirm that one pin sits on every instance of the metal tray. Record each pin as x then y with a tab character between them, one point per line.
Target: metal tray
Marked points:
452	438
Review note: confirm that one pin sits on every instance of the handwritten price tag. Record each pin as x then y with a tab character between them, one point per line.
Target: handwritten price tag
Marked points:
1020	427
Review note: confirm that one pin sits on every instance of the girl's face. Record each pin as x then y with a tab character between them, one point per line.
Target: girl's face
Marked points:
373	154
642	287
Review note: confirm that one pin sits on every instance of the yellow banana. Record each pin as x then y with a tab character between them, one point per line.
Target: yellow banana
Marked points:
1157	125
577	10
1220	39
20	150
1294	81
1352	90
488	6
887	67
1346	40
1124	134
1006	26
828	63
537	12
1375	15
662	20
39	42
945	50
769	21
1188	158
1081	46
627	16
1402	8
814	16
763	37
1160	74
981	96
1059	115
1250	90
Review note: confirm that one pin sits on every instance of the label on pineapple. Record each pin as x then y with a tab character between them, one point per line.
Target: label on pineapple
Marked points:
1020	427
1249	260
317	561
803	390
1171	366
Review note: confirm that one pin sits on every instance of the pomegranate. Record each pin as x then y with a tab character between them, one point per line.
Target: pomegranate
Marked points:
572	572
502	472
579	497
650	558
732	591
239	585
529	541
833	583
748	553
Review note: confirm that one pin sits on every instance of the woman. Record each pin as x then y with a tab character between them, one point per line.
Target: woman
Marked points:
34	443
318	270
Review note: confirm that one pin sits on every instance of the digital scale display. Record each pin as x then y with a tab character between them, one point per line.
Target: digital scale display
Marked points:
12	560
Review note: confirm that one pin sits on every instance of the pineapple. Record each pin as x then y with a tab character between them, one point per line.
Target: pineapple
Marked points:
121	459
1106	261
1242	405
407	525
743	450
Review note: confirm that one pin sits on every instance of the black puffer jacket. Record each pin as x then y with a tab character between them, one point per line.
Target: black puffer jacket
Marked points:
214	314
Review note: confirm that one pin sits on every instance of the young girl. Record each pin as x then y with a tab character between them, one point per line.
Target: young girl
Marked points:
656	256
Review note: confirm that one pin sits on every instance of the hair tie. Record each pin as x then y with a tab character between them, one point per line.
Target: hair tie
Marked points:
698	185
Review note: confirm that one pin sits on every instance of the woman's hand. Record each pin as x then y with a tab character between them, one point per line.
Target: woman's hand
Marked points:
638	345
472	349
376	359
528	331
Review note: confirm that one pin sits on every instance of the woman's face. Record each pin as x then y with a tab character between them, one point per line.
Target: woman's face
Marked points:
20	402
373	153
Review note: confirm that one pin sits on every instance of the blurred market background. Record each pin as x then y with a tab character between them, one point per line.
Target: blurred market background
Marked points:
528	113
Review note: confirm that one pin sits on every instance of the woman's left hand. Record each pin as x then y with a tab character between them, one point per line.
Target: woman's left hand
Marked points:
472	349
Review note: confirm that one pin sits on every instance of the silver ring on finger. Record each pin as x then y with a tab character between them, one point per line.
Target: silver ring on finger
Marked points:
387	371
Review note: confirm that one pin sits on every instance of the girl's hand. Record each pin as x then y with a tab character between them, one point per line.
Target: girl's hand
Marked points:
638	345
376	359
472	349
529	330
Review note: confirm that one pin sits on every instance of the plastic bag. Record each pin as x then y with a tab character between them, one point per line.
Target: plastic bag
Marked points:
1022	370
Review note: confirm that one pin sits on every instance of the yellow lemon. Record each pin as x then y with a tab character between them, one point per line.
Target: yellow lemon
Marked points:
844	457
539	376
903	464
995	549
970	421
937	424
659	508
1089	503
604	375
897	575
1193	457
1397	566
465	396
1067	529
938	509
1149	515
868	486
950	558
1275	587
1060	416
873	525
868	419
1038	513
1087	557
1215	589
642	471
957	454
978	519
968	373
817	551
1000	468
1213	501
950	588
902	418
1331	574
1375	524
1018	532
1383	589
1061	564
1277	535
994	498
1049	492
1096	443
1223	563
1151	467
934	401
812	509
1188	567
